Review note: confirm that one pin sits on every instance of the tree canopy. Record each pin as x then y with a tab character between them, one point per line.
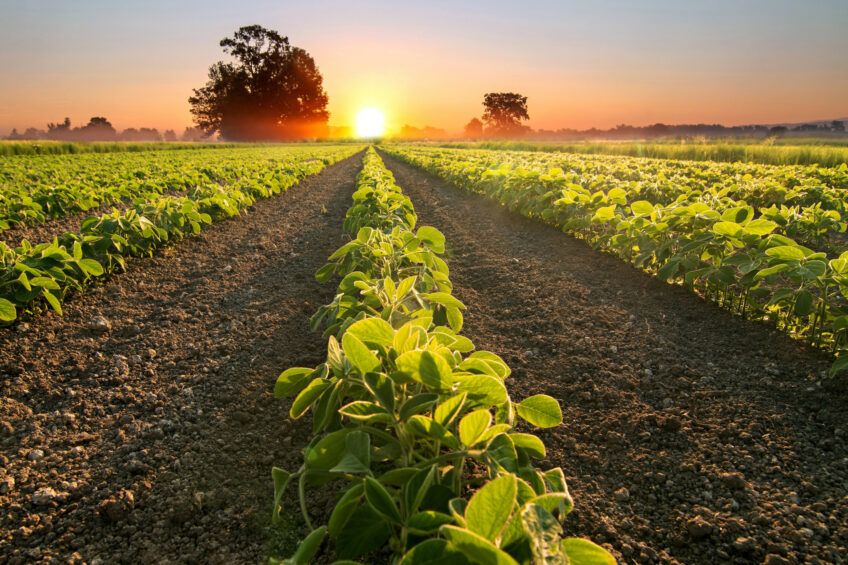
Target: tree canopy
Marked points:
269	90
504	112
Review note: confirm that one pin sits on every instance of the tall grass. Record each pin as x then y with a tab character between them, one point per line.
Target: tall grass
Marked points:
826	154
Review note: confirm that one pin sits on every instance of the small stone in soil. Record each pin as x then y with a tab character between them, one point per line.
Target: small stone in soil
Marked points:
99	324
698	528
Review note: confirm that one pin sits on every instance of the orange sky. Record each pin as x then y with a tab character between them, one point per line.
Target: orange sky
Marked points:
580	64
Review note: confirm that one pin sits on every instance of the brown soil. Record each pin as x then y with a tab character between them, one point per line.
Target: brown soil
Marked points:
690	435
153	442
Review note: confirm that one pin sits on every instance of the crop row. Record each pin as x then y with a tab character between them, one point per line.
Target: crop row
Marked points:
408	418
789	151
732	255
38	189
808	203
33	274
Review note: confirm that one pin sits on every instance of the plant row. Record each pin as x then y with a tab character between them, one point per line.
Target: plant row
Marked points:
417	429
732	255
808	203
794	151
32	275
39	189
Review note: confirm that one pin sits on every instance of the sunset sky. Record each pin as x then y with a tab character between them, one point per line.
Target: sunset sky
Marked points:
581	64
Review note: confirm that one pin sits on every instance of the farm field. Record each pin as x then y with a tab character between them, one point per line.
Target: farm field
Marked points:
765	242
689	434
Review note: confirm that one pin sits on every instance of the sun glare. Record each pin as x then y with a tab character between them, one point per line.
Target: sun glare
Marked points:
369	123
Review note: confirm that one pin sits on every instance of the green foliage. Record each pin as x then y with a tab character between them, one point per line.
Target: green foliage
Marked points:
32	275
758	240
403	402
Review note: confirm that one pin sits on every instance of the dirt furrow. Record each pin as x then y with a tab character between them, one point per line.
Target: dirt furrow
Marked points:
152	442
690	435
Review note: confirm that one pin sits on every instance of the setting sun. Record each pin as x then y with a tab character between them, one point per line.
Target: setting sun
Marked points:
369	123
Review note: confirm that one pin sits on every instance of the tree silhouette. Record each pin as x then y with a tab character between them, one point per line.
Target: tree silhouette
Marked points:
504	112
270	90
474	128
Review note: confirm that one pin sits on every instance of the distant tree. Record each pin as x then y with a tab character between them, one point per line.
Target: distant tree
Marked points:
777	131
59	131
169	135
270	90
97	129
837	125
504	112
193	134
474	128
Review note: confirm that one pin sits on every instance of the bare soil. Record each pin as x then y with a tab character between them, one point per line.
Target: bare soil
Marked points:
690	435
153	442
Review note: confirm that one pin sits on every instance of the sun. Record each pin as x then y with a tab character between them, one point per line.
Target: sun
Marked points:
369	123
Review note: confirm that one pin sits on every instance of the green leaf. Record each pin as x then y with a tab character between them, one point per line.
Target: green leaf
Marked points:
281	480
373	330
786	252
8	313
763	273
529	443
364	531
364	410
427	368
307	396
501	453
53	301
604	214
417	404
416	487
478	549
472	426
541	411
544	533
44	282
803	303
24	280
444	299
357	456
431	428
642	208
584	552
382	388
490	508
381	501
358	354
325	273
327	452
760	227
309	547
482	389
434	552
91	267
434	239
731	229
292	381
427	522
841	364
344	508
449	408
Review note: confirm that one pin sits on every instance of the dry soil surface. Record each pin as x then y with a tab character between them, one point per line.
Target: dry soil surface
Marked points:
153	441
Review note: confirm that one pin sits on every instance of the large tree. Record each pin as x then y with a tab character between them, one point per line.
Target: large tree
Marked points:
504	112
269	90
